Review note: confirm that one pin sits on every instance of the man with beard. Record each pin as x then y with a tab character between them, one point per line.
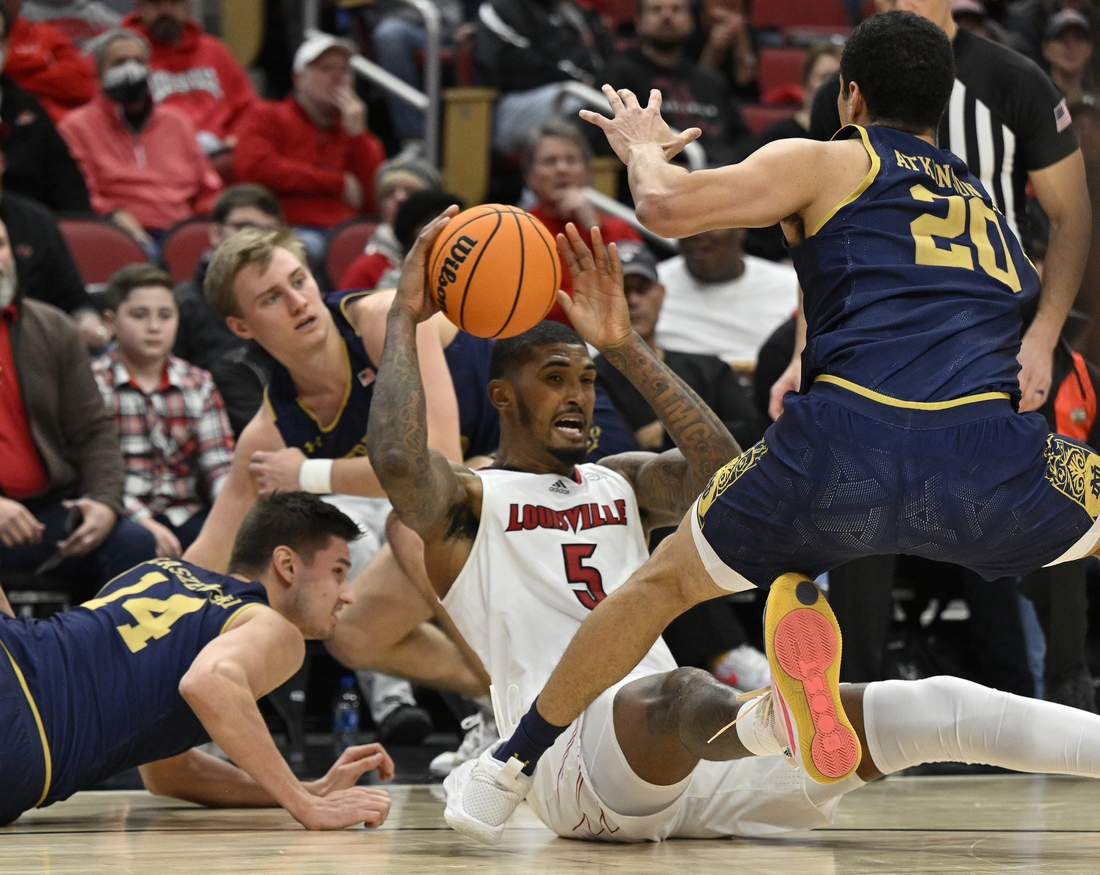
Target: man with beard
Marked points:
193	71
694	96
59	450
142	163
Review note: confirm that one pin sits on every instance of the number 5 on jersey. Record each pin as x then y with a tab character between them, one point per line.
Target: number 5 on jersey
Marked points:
584	580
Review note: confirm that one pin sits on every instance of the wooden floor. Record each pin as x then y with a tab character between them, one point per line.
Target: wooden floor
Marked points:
986	824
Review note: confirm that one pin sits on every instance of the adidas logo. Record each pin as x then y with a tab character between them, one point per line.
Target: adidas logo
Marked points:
560	487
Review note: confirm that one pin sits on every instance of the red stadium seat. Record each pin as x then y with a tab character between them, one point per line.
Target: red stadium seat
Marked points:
759	117
183	246
779	66
346	241
794	13
99	248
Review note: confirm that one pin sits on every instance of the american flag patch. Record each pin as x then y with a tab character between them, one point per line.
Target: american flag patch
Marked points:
1061	116
366	377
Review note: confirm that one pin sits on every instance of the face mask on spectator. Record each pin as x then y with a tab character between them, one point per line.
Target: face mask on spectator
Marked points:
7	289
127	83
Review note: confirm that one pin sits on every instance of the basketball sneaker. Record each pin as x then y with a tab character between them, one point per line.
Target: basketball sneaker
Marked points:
802	641
481	734
482	794
745	667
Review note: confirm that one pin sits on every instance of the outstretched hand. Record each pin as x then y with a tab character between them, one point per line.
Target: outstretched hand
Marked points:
632	125
413	292
344	808
353	763
598	307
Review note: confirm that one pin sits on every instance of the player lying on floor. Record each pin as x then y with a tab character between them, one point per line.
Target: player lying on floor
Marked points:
522	551
167	657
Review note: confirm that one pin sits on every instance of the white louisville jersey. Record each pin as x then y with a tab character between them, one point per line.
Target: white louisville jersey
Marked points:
548	549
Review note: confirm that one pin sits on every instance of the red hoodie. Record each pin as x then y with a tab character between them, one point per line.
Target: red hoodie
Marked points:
42	60
282	148
199	76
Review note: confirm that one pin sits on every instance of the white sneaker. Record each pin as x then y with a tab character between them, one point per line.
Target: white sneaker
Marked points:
482	794
481	734
745	668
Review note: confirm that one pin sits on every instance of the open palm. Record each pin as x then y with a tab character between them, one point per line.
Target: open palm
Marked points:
598	307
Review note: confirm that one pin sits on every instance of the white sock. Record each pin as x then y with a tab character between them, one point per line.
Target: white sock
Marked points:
756	733
946	719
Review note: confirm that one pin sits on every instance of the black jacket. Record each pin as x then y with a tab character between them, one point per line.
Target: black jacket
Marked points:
39	164
524	44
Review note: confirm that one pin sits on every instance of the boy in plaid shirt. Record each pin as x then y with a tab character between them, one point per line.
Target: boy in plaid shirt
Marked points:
176	438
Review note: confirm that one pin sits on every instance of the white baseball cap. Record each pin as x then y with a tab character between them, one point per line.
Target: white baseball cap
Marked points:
317	45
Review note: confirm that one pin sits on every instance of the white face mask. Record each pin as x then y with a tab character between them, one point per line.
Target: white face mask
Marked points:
7	289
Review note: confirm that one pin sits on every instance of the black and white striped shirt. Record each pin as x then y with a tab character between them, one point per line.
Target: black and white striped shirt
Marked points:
1005	119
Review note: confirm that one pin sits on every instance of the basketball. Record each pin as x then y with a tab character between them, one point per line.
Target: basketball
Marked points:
494	271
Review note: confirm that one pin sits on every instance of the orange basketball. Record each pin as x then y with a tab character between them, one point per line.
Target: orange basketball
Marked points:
494	271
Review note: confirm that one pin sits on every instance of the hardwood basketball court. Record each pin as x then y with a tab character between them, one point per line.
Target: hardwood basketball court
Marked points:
971	824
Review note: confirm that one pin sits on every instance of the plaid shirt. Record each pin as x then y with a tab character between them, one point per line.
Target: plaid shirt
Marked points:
176	440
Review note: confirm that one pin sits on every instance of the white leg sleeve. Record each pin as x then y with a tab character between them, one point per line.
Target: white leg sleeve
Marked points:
945	719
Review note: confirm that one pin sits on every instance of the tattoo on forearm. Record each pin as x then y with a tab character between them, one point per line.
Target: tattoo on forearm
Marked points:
418	480
699	434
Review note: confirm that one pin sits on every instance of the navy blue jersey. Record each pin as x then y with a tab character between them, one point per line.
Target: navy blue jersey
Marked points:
104	677
346	436
468	361
914	284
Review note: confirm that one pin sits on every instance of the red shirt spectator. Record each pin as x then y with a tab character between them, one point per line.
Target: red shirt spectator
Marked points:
313	148
193	71
158	174
42	60
556	159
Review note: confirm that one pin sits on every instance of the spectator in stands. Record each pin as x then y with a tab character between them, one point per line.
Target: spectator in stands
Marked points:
822	61
41	59
1028	20
1068	49
397	36
396	180
722	302
527	48
692	96
712	379
313	148
46	269
39	165
974	16
60	450
143	165
556	159
203	337
80	20
193	71
176	441
725	42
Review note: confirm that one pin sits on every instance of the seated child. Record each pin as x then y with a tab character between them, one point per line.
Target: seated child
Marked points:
176	438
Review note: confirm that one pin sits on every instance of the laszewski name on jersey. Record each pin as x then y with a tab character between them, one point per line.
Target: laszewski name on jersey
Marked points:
576	519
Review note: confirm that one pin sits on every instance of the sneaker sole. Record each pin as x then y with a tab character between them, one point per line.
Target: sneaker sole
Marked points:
804	646
473	830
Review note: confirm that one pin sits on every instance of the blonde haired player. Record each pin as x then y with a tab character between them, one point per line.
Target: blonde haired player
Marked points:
522	551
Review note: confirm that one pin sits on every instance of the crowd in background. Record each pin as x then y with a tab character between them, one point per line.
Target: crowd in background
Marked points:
130	112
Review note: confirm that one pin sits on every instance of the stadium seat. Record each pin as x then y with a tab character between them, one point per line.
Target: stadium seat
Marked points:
780	14
779	66
758	117
99	248
345	242
183	246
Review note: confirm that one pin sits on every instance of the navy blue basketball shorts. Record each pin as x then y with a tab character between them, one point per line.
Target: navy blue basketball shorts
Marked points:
841	475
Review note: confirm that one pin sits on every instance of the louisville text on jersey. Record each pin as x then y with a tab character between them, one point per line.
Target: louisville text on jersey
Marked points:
576	519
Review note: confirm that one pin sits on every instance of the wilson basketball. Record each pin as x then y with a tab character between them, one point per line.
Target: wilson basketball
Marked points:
494	271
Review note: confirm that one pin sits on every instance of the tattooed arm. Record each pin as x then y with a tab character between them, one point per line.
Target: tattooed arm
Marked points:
431	495
667	483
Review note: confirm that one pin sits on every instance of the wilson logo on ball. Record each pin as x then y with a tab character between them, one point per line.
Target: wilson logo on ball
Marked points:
448	272
494	270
